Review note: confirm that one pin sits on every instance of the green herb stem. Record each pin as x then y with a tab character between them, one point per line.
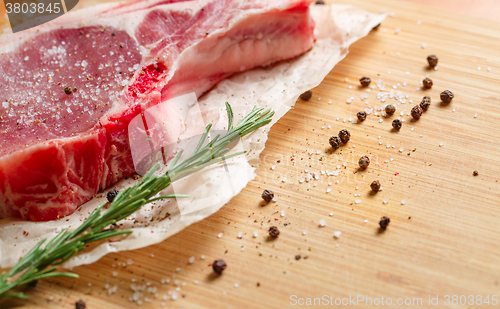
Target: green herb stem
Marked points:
42	261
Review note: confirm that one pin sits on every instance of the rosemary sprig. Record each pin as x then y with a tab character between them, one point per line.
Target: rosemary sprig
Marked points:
42	261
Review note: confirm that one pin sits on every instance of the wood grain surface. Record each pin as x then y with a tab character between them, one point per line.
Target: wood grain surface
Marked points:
444	240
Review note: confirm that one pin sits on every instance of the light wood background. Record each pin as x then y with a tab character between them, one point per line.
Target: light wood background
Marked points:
443	241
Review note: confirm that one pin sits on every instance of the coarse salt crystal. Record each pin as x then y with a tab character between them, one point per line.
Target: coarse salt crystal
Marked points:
366	221
220	235
385	201
475	115
401	149
202	257
282	213
240	235
441	144
331	213
479	68
236	285
322	222
337	234
304	232
403	202
255	234
424	45
191	260
357	201
273	167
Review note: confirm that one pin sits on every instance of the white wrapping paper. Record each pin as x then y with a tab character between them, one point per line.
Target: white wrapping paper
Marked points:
277	87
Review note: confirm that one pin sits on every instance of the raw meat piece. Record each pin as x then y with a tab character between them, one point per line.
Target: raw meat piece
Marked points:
71	87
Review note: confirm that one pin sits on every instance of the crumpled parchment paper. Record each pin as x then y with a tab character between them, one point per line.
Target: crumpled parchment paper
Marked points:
277	87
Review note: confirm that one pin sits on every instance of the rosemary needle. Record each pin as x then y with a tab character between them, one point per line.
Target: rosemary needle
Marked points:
42	261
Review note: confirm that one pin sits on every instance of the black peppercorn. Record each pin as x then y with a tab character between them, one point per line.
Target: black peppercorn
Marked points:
319	2
426	102
416	112
267	195
433	60
74	90
447	96
375	185
390	109
219	266
334	142
273	231
111	195
344	135
365	81
80	304
397	124
427	82
361	116
306	95
363	162
297	257
384	222
475	173
67	90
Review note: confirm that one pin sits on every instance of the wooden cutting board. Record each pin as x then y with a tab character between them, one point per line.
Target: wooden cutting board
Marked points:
442	241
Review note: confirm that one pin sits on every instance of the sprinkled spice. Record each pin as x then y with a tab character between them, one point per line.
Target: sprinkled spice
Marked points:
306	95
427	82
319	2
397	124
475	173
273	231
416	112
297	257
375	185
361	116
426	102
80	304
219	266
447	96
334	142
390	109
344	135
363	162
365	81
267	195
433	60
74	90
384	222
111	195
68	90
